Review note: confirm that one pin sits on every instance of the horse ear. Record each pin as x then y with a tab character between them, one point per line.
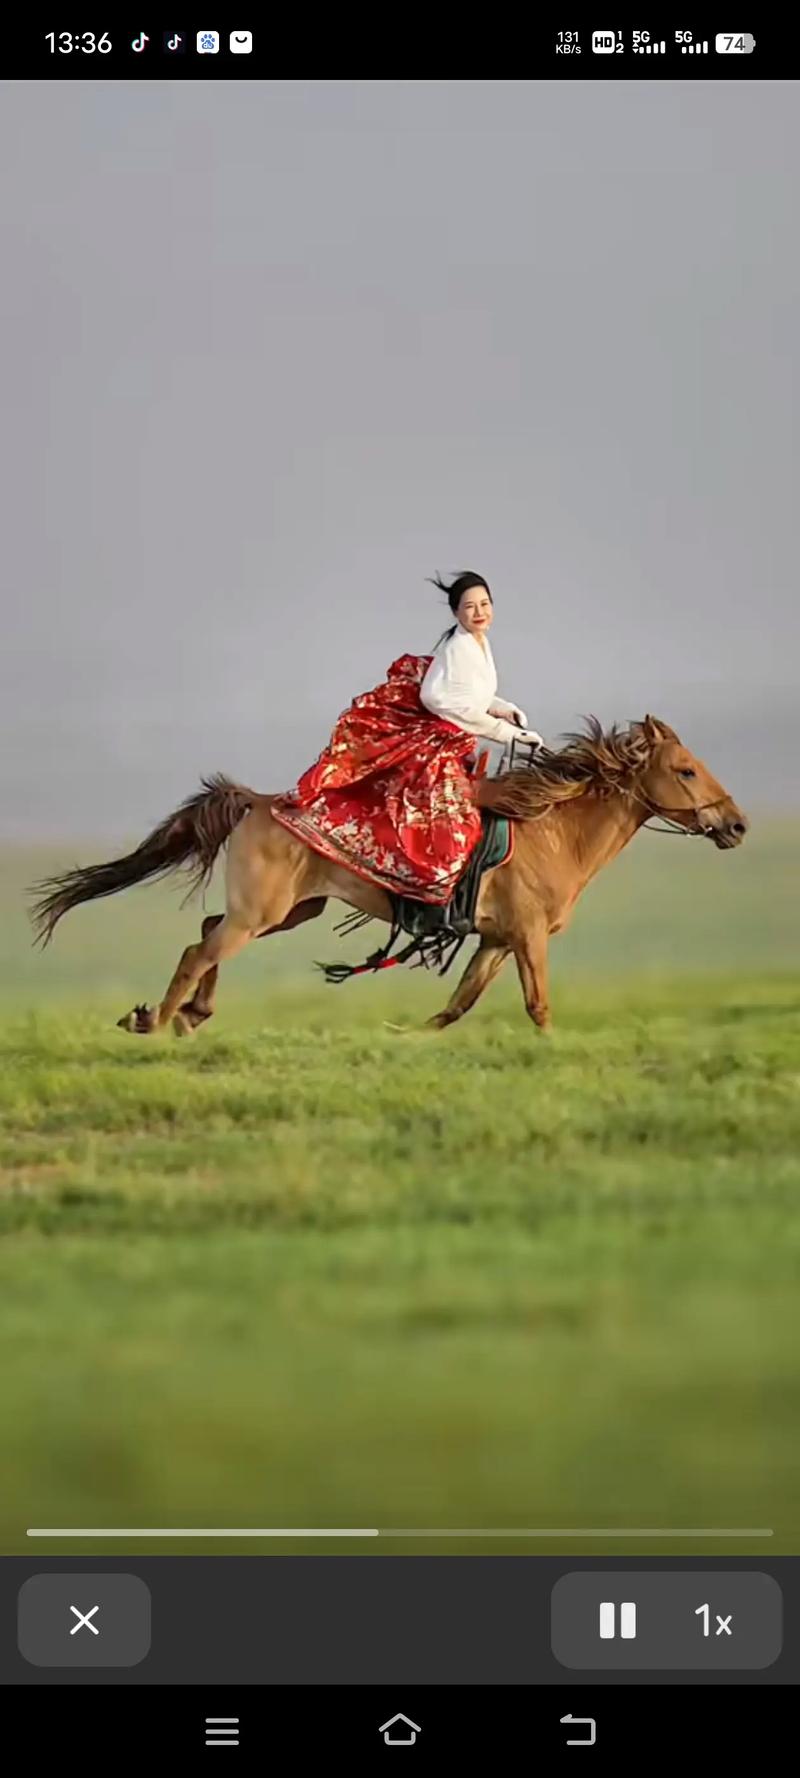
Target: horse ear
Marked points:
656	730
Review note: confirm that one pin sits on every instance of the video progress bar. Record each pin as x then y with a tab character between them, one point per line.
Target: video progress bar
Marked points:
604	1531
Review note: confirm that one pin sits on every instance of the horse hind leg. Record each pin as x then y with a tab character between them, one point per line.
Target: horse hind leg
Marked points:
265	879
222	942
194	1012
202	1006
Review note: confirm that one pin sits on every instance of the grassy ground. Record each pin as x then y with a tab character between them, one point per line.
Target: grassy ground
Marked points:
305	1271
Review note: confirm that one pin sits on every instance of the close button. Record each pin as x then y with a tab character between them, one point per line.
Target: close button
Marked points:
83	1620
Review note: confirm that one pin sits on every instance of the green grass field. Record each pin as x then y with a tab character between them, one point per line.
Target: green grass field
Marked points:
304	1271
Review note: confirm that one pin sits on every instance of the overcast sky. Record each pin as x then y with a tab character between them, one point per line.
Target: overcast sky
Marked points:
274	352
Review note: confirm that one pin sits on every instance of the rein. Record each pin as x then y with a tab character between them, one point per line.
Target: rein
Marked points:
698	832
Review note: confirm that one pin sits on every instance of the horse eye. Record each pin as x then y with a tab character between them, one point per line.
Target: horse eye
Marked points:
687	772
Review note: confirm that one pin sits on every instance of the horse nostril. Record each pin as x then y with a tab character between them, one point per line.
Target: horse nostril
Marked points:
739	828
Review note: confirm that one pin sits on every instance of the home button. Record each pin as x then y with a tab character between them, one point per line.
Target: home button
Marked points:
400	1731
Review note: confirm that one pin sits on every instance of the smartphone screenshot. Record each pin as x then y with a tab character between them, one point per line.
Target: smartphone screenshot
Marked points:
399	843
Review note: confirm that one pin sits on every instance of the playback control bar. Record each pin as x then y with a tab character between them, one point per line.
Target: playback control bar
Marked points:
384	1620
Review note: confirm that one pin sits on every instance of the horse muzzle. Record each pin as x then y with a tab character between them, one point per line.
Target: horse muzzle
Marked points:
728	830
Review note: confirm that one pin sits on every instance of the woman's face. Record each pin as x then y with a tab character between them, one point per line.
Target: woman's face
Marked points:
475	610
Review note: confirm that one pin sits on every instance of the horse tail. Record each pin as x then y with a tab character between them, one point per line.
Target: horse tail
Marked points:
190	838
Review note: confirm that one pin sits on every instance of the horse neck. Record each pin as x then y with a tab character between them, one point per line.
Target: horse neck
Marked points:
597	828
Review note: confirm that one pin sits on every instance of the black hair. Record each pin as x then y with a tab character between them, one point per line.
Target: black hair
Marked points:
454	593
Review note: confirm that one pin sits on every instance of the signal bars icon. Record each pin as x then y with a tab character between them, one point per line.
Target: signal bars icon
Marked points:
694	49
650	49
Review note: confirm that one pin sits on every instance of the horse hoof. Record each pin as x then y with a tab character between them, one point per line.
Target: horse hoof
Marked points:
182	1026
141	1021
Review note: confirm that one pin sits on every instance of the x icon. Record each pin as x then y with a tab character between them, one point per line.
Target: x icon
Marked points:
83	1620
724	1624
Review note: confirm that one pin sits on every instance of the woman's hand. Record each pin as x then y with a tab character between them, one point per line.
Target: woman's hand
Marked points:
530	736
518	716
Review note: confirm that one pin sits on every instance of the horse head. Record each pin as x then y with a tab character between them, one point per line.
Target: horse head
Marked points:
679	787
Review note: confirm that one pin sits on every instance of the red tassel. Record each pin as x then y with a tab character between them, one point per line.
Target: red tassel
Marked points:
372	968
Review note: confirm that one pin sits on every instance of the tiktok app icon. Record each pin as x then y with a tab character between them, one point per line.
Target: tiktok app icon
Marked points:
175	42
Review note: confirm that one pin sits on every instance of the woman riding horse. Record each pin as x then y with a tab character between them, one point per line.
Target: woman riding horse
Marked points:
391	805
391	796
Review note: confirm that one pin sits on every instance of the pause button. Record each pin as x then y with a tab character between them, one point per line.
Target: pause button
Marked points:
596	1626
627	1620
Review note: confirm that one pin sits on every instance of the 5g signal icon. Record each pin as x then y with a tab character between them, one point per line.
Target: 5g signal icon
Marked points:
687	45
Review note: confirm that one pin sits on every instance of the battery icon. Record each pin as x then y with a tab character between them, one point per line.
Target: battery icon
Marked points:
734	43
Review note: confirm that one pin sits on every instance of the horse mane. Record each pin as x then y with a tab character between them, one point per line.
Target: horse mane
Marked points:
592	759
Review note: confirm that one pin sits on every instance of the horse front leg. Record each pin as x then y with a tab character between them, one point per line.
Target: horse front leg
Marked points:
482	968
530	951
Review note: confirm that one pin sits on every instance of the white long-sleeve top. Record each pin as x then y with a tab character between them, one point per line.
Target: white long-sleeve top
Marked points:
461	685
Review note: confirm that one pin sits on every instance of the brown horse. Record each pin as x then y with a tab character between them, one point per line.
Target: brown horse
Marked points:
574	811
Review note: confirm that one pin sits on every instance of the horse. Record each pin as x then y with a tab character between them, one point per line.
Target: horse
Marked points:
573	808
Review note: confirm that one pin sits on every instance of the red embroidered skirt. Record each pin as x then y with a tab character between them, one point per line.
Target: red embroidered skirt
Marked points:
390	797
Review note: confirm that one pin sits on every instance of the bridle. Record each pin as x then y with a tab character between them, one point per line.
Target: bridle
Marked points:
698	832
658	811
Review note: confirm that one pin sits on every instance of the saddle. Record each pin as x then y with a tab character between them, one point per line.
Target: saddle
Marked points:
437	933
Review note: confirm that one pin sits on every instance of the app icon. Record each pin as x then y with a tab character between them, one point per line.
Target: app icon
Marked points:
240	43
208	43
140	43
175	42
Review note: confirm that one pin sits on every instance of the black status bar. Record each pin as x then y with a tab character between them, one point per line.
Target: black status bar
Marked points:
270	52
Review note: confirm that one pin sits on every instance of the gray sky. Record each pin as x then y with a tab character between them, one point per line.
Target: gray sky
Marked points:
274	352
